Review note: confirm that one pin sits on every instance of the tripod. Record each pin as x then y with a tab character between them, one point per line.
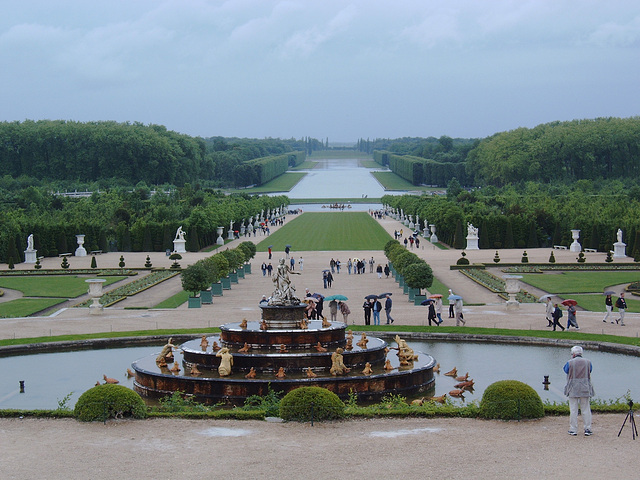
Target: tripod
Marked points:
632	422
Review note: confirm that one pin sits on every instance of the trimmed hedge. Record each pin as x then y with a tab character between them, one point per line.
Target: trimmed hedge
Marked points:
311	403
510	400
109	401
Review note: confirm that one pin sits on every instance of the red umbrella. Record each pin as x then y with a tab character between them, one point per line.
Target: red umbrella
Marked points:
569	302
435	295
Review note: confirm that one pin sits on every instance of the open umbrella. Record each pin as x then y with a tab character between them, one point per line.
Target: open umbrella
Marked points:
270	246
369	297
454	297
569	301
609	292
318	296
310	299
287	245
382	295
435	295
326	270
339	298
544	297
427	301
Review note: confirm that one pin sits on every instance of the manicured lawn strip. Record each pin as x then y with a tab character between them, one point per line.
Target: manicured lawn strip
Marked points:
574	335
283	183
391	181
306	165
51	286
595	303
579	282
23	307
438	287
328	231
332	154
174	301
370	164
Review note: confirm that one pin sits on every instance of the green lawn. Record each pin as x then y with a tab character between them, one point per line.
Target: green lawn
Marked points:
283	183
578	282
174	301
23	307
328	231
370	164
59	286
438	287
391	181
306	165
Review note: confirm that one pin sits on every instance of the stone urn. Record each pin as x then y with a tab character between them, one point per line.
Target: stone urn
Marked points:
95	292
512	287
575	246
220	240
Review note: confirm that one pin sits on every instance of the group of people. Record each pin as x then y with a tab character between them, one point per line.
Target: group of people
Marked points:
373	305
554	313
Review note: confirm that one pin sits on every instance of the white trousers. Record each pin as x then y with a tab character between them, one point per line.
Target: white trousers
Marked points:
608	314
585	409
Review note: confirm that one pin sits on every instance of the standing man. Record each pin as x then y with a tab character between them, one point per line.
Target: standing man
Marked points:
292	262
371	263
579	390
387	309
557	314
269	253
621	305
367	312
301	263
549	312
377	307
608	305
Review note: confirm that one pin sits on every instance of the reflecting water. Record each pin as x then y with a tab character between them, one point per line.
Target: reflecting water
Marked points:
337	178
50	377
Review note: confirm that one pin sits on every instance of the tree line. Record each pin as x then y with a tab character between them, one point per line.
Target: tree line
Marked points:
533	215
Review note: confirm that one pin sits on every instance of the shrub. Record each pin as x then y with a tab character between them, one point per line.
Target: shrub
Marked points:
510	400
65	263
525	257
109	401
496	258
37	266
10	263
94	264
311	403
581	258
462	260
609	258
148	263
121	263
552	257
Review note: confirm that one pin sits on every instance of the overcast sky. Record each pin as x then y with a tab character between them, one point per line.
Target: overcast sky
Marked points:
337	69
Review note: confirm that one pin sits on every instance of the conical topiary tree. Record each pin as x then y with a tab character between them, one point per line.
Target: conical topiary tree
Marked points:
581	258
11	265
552	257
147	263
525	257
496	257
37	266
65	263
121	264
609	258
94	263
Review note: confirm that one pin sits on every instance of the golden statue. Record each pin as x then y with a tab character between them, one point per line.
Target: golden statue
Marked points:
166	353
245	349
337	363
325	323
320	348
226	361
194	370
367	369
405	353
204	343
251	374
243	324
310	373
280	373
387	365
349	345
362	343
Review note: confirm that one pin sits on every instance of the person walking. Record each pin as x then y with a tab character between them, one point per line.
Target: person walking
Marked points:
269	269
287	249
579	390
367	312
349	265
621	305
452	302
557	315
337	265
264	269
438	307
458	312
379	270
387	309
377	308
549	312
301	263
324	278
329	279
608	305
387	271
333	310
432	314
292	262
371	263
571	317
269	253
332	264
345	311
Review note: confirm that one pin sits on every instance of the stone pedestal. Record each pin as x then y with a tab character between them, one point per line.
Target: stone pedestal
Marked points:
80	251
472	243
230	235
179	246
30	256
575	246
512	287
220	240
619	250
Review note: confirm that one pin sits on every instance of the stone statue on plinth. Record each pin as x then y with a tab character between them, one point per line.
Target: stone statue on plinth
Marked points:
284	292
619	247
179	242
30	254
472	237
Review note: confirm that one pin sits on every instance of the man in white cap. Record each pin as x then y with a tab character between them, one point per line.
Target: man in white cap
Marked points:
579	390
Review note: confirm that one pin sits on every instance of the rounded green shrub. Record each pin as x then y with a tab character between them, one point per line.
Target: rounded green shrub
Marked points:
306	403
463	260
109	401
510	400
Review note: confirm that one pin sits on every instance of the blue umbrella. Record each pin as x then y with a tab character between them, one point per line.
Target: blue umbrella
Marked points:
427	301
454	297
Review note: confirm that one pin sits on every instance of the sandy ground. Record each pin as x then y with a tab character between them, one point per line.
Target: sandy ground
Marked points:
411	448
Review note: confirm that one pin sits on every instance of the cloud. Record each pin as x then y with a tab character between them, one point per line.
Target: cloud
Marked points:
613	34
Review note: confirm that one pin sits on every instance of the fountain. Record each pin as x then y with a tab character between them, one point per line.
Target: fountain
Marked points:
280	352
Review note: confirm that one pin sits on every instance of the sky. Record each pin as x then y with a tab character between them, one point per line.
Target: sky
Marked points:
327	69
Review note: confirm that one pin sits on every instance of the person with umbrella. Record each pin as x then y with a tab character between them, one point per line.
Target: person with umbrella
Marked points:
608	305
549	312
345	311
571	313
432	313
376	309
438	306
367	311
333	309
452	302
557	315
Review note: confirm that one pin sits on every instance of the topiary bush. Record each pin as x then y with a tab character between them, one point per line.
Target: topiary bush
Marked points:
109	401
462	260
552	257
525	257
510	400
306	403
496	258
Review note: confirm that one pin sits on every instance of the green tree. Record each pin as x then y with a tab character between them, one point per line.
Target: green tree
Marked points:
195	278
418	275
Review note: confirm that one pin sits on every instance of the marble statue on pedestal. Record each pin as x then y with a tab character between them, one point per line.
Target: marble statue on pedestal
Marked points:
30	254
472	237
179	241
619	247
